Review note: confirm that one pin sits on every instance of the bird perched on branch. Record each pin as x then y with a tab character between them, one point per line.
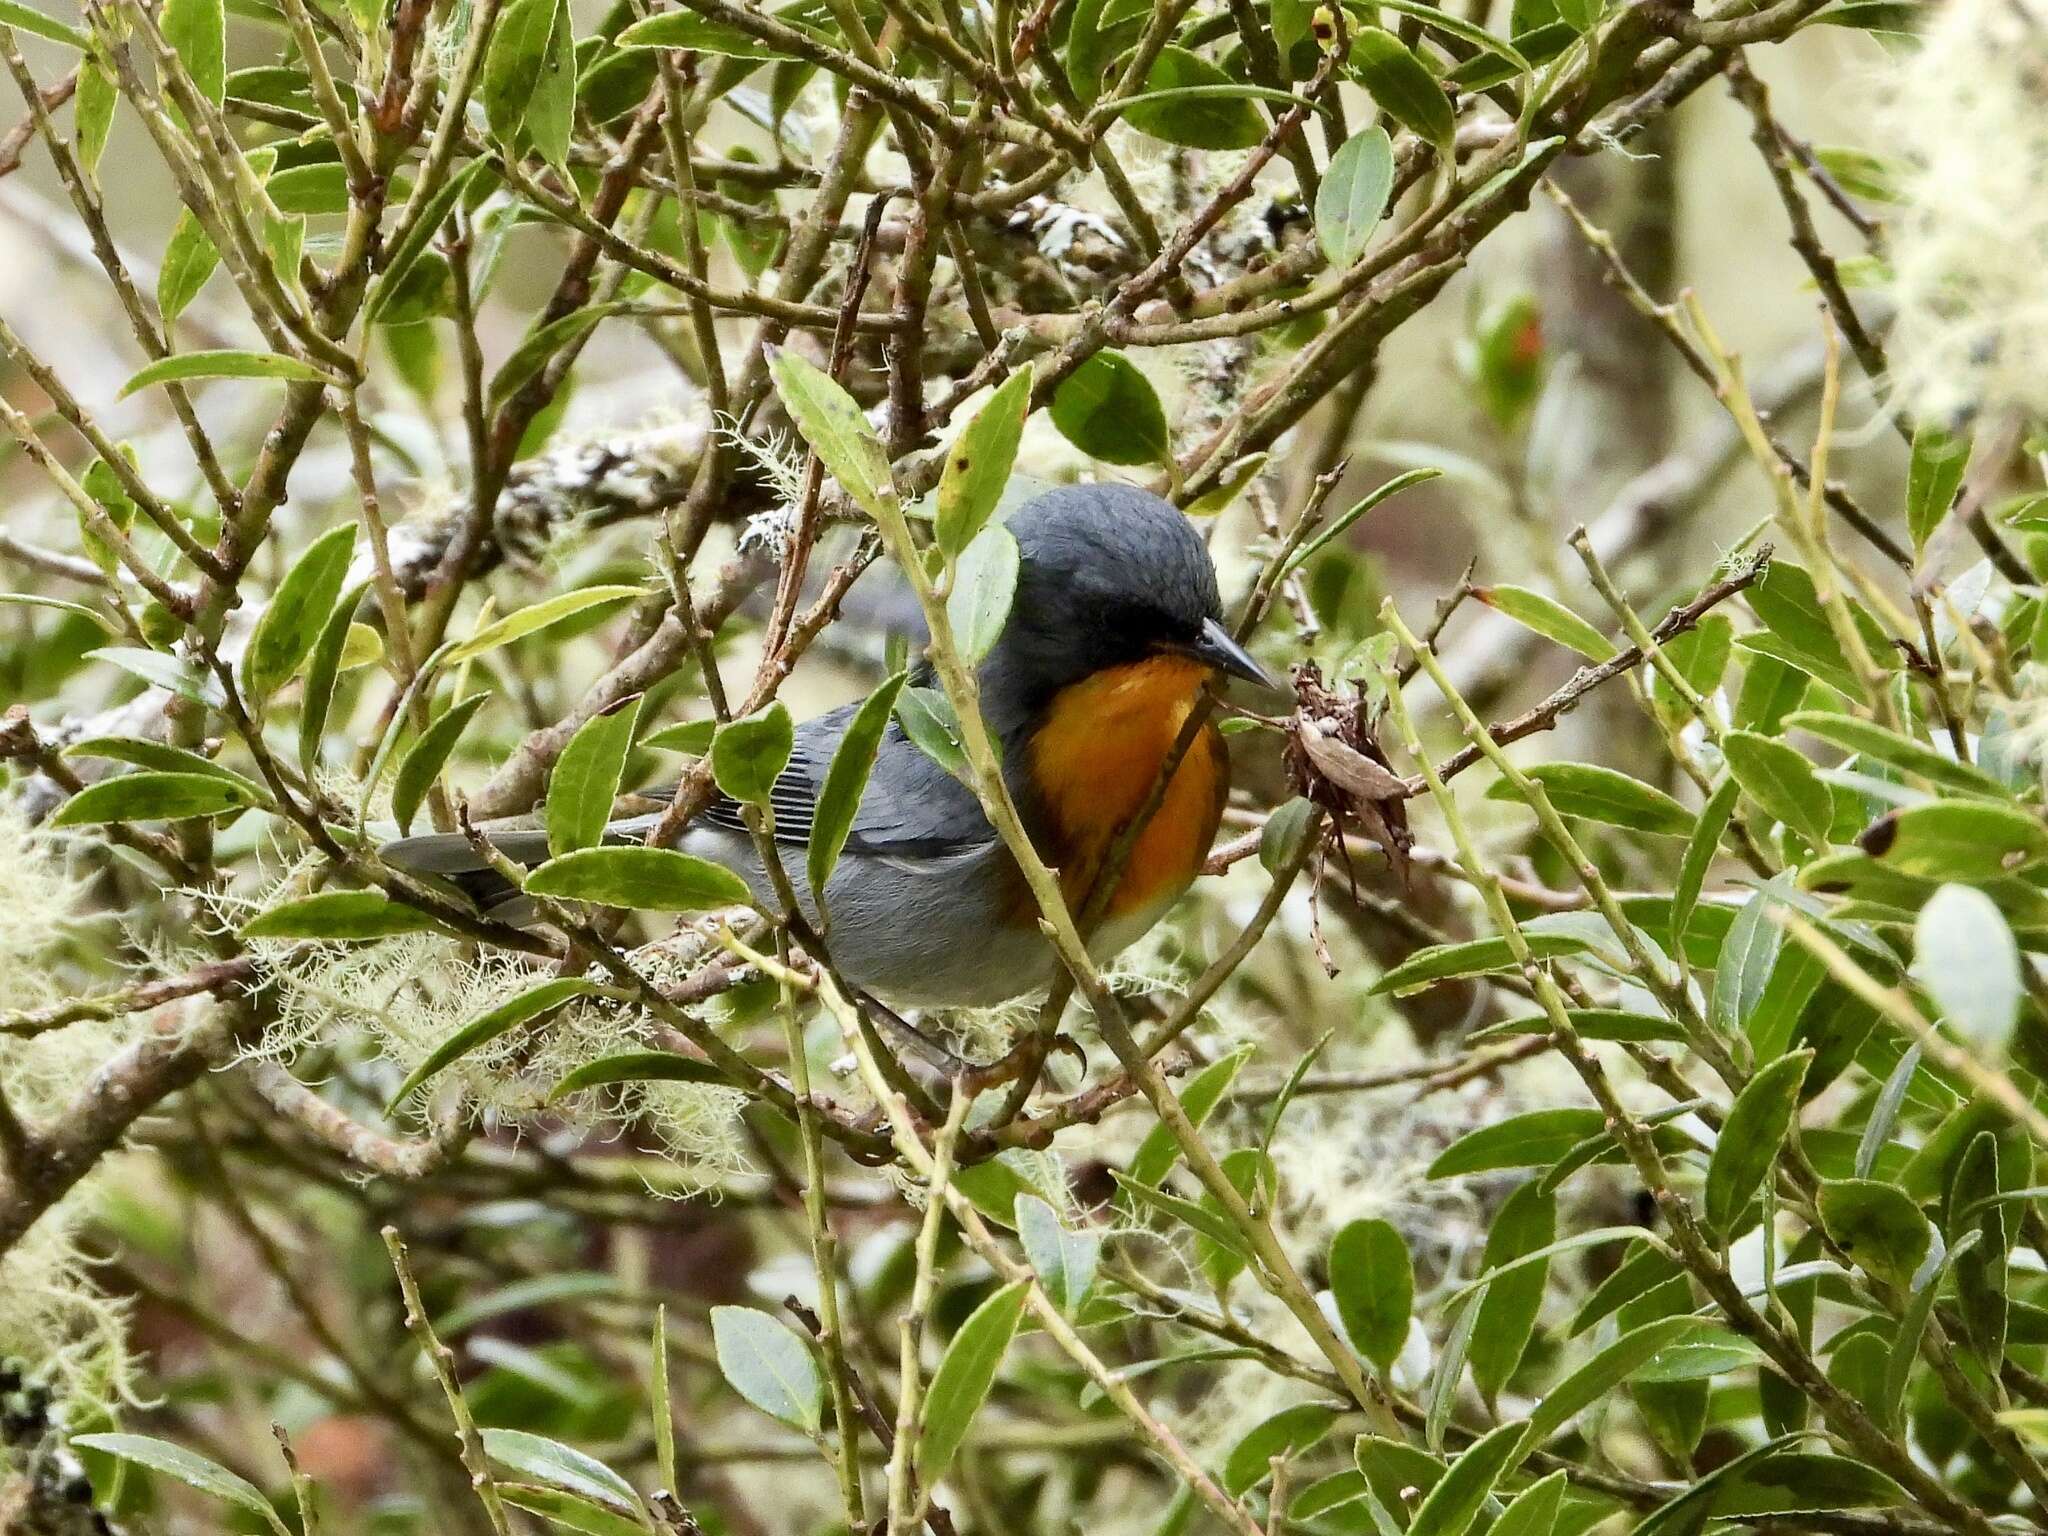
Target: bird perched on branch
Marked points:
1114	630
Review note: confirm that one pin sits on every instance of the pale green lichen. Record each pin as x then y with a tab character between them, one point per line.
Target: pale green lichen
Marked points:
1968	113
51	1313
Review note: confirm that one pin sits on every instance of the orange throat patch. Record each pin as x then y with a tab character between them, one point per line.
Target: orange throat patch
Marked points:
1095	758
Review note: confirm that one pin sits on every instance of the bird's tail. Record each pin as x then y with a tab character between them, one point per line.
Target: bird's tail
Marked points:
449	856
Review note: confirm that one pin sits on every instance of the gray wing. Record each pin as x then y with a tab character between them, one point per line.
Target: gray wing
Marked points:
911	807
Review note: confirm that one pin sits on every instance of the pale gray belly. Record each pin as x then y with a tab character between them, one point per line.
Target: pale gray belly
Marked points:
924	933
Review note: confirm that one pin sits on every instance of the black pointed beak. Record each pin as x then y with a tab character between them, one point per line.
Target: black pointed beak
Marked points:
1215	646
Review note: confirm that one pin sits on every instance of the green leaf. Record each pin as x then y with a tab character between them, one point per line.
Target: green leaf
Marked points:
1606	1371
323	667
1285	833
1905	1350
1092	43
966	1372
551	111
637	1067
570	1511
1286	1434
688	736
978	465
1782	781
1353	196
534	1003
1700	852
1965	956
1108	409
26	18
1402	86
585	780
1592	1024
1454	1503
152	796
1748	956
1372	1282
1957	840
1716	1353
1064	1261
198	31
698	34
1182	104
1757	1124
1533	1511
189	260
562	1465
1204	1220
846	781
647	879
1160	1150
768	1365
174	1461
1870	740
297	612
1548	618
1342	525
1933	476
1604	795
832	424
1473	957
1529	1140
984	585
1700	657
540	345
164	758
928	720
1877	1225
1449	1370
338	915
1792	1482
425	758
538	616
1688	1510
512	69
1525	1224
161	671
749	754
1786	601
225	365
92	114
404	256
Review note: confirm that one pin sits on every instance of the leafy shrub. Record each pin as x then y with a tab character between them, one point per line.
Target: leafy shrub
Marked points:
1530	1127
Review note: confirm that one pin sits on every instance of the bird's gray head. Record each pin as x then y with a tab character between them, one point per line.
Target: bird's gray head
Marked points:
1110	575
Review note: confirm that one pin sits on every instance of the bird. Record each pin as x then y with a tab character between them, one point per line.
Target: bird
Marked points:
1114	630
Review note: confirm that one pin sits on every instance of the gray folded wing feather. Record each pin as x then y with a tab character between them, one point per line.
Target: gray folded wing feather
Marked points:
910	808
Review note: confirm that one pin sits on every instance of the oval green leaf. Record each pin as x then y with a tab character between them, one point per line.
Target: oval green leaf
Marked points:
423	761
1750	1137
846	781
1372	1281
749	754
153	796
1353	195
965	1374
535	1002
1108	409
768	1365
647	879
585	779
338	915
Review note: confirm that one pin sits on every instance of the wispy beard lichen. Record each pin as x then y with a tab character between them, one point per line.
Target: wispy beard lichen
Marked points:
1968	109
